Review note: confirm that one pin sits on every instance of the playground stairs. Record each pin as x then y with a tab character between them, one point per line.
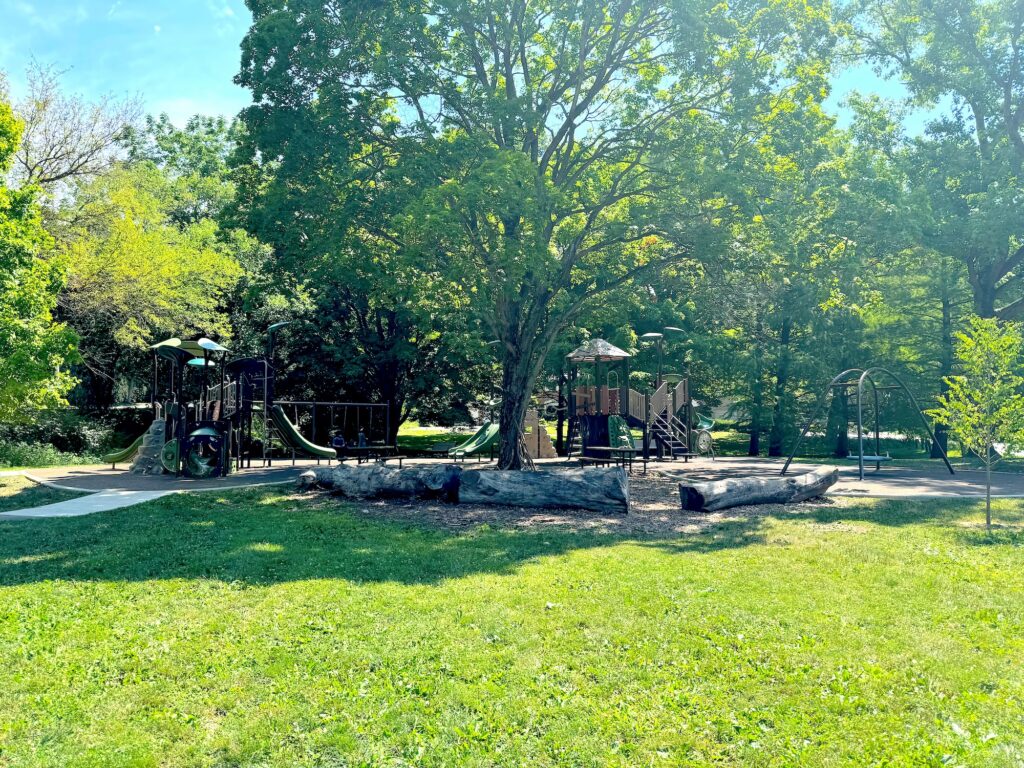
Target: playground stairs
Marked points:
670	435
147	460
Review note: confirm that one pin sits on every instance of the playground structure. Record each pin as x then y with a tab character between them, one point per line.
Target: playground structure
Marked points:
206	429
213	415
602	415
484	442
846	386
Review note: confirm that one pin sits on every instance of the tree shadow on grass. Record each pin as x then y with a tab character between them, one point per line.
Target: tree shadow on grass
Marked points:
887	512
733	533
262	537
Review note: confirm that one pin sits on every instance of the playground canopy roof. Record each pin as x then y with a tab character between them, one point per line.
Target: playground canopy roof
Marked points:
597	351
194	348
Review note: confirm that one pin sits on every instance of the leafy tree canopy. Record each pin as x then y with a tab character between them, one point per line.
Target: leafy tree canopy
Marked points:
34	350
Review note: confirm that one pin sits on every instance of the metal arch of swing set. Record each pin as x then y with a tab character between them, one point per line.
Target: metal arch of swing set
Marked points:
865	375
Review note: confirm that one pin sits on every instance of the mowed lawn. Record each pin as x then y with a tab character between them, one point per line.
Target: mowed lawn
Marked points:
18	492
259	629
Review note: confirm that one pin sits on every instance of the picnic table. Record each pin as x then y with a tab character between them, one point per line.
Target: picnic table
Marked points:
365	453
612	455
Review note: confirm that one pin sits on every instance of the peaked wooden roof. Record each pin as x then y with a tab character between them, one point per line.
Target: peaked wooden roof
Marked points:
597	350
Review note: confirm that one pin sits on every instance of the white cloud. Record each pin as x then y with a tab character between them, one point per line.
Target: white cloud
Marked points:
156	28
49	20
220	10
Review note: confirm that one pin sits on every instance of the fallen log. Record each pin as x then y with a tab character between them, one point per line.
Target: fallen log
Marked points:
437	481
591	488
737	492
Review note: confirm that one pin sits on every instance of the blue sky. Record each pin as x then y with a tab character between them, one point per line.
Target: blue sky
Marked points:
180	56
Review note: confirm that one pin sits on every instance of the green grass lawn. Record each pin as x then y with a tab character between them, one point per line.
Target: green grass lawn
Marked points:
257	629
17	492
414	437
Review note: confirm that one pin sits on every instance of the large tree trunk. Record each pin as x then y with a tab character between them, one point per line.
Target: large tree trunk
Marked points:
983	287
436	481
517	380
593	488
563	404
778	430
757	406
940	447
737	492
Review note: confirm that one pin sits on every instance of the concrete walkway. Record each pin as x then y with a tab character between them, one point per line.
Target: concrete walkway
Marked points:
106	489
85	505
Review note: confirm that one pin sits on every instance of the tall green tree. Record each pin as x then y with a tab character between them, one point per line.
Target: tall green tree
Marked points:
983	406
545	131
136	276
35	352
963	56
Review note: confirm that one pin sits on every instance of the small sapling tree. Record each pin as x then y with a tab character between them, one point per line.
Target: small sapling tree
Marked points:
984	406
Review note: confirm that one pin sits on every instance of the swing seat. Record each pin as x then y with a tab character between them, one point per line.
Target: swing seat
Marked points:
871	459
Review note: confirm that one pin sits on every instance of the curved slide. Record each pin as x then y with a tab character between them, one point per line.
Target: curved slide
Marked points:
117	457
482	440
294	440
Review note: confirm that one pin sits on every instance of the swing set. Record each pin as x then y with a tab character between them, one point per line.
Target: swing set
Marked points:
853	381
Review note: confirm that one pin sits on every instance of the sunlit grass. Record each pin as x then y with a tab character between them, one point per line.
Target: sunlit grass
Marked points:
18	492
256	629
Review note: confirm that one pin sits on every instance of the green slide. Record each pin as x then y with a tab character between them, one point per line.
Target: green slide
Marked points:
125	453
294	440
484	439
619	435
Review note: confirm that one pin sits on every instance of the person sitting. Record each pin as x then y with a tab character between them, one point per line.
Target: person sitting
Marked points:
362	439
339	445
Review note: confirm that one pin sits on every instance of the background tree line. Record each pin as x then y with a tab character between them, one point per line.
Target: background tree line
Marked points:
450	195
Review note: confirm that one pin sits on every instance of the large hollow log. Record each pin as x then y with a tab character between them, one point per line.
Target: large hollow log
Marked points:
597	489
740	491
437	481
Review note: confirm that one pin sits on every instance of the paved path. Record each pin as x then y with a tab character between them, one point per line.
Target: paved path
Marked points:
91	479
85	505
114	489
106	489
931	480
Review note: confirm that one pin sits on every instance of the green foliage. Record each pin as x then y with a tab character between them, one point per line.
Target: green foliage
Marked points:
136	275
35	351
18	454
963	53
535	149
984	405
65	430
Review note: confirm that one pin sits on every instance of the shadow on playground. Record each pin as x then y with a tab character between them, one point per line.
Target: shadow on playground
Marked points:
261	538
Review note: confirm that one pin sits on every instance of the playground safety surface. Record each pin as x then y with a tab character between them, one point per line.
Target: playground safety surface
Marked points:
653	493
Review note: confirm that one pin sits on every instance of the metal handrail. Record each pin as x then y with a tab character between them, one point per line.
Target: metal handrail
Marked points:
659	400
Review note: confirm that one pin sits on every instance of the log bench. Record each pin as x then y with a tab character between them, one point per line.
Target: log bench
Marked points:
741	491
597	490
